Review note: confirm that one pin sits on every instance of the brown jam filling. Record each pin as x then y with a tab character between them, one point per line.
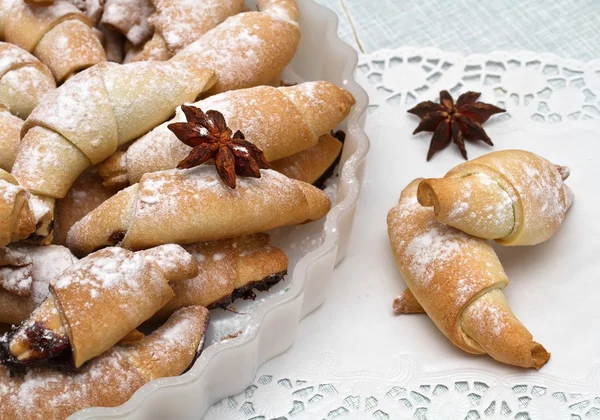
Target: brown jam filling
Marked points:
116	237
47	349
246	292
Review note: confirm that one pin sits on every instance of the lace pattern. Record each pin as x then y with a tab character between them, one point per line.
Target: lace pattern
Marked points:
540	89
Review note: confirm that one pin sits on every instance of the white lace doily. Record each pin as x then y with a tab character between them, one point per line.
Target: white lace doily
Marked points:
536	89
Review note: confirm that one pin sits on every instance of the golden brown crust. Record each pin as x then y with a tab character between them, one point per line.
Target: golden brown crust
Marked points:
180	23
406	303
458	280
99	116
114	290
224	267
248	49
43	31
110	379
512	196
16	218
86	193
309	165
129	17
10	130
24	80
162	208
267	116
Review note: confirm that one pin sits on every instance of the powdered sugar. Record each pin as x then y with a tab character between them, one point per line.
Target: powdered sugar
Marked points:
487	311
9	191
429	251
181	22
115	266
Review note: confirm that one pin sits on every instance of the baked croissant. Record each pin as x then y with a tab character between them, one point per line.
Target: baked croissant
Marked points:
10	135
180	22
97	301
280	121
312	165
194	205
513	196
129	17
17	220
39	264
60	35
110	379
23	80
248	49
85	195
458	280
228	269
86	119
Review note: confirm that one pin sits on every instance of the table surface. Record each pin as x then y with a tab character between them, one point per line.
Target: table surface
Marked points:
567	28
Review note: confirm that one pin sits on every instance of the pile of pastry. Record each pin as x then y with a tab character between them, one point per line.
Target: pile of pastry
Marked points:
141	193
440	232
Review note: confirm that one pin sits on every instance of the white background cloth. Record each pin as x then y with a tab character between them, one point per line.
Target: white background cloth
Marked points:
568	28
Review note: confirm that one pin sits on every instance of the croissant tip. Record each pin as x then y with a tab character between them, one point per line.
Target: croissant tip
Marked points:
539	355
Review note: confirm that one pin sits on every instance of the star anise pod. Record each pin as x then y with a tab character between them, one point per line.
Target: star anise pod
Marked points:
450	121
210	138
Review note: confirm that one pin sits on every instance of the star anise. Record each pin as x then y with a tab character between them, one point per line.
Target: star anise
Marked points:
210	138
450	121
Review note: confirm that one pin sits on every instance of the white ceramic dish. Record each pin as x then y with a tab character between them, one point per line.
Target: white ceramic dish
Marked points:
269	324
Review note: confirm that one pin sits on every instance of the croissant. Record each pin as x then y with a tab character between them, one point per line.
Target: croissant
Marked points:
93	9
512	196
60	35
458	280
129	17
312	165
23	80
248	49
38	265
97	301
179	22
163	208
16	218
86	119
10	135
110	379
228	269
85	195
280	121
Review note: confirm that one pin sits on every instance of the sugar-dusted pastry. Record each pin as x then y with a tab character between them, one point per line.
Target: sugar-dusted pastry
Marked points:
228	269
10	135
194	205
24	80
60	35
280	121
129	17
181	22
38	266
97	301
17	220
407	303
85	195
93	9
110	379
314	164
458	280
86	119
248	49
513	196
